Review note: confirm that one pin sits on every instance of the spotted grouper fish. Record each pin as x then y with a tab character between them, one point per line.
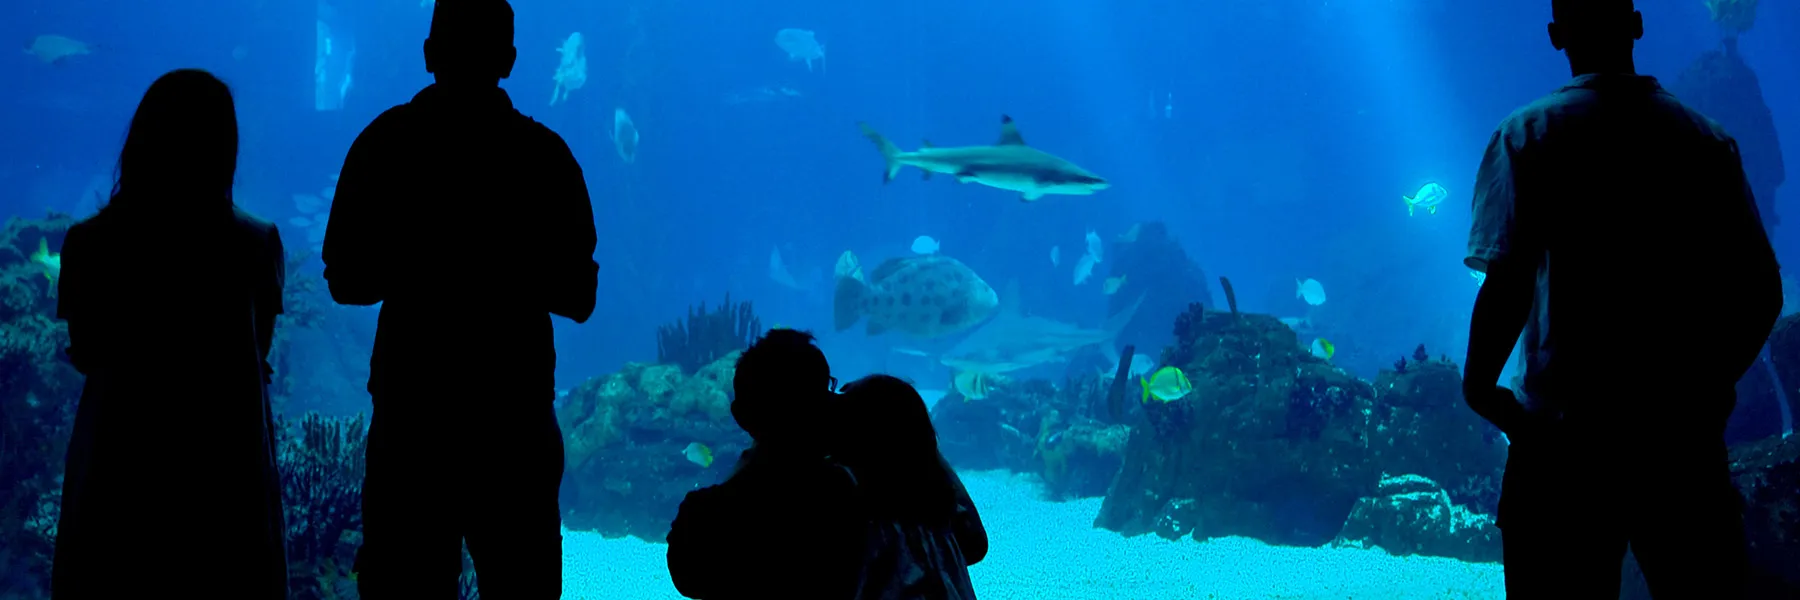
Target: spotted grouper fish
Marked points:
925	296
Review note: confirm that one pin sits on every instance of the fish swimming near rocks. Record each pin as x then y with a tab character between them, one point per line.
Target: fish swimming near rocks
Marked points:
50	263
55	49
924	295
800	44
1008	164
1013	340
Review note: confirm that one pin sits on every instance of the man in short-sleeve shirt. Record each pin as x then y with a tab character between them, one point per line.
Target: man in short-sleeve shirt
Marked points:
1620	238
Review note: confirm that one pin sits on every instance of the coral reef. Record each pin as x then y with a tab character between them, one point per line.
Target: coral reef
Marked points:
1424	428
706	336
1413	515
321	462
38	393
1273	443
1034	427
626	434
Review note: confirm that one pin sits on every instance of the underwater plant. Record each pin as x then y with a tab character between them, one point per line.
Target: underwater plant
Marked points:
38	392
705	336
321	461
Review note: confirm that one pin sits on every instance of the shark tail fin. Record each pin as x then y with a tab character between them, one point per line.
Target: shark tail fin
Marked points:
889	152
846	303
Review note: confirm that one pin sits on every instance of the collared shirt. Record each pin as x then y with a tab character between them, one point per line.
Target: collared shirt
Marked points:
1633	211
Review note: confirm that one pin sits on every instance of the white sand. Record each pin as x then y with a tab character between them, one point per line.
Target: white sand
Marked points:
1050	550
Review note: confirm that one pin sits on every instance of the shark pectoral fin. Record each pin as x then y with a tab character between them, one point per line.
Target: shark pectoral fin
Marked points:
965	176
1031	196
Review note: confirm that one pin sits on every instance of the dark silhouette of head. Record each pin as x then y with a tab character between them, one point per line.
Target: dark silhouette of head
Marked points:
887	439
471	41
181	150
1597	35
781	385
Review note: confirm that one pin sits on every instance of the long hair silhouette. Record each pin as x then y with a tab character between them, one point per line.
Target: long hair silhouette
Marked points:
180	154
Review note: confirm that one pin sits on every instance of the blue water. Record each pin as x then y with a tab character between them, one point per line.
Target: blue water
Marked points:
1275	138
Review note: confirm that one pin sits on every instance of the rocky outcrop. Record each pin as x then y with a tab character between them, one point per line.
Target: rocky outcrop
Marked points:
626	434
1279	445
1272	443
1033	427
1413	515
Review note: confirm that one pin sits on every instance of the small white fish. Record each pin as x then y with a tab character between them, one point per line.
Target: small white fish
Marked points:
800	44
571	70
54	49
1084	268
308	203
1056	256
1480	277
924	245
1095	247
1428	198
699	454
848	267
1310	290
1323	348
912	352
624	135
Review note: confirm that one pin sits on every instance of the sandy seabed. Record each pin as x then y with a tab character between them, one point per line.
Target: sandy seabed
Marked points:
1050	550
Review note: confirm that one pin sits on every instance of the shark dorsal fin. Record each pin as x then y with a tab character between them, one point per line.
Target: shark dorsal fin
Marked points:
1009	133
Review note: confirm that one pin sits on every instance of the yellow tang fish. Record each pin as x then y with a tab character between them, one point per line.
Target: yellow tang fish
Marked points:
1167	384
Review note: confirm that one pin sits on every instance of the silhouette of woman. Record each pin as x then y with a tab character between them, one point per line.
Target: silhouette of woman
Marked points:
171	293
923	529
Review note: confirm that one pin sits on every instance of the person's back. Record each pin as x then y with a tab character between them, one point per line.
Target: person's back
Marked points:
923	529
171	294
783	525
1624	215
1639	208
470	224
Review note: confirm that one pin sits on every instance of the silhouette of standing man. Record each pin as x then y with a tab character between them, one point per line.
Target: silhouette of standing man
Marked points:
1626	215
470	224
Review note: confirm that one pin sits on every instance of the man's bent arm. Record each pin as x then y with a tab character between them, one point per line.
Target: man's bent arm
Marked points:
572	276
354	250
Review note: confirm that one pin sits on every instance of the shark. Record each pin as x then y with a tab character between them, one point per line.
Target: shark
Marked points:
1013	340
1008	164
